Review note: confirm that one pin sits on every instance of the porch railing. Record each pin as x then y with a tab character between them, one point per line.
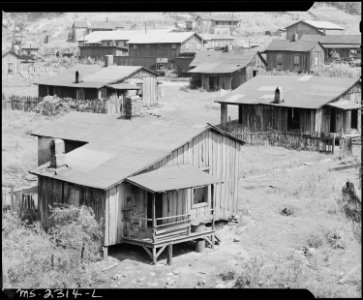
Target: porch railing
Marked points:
168	227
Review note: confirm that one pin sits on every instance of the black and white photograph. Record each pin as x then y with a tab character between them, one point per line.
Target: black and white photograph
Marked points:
186	149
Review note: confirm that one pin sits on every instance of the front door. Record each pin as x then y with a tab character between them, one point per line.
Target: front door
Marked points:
158	207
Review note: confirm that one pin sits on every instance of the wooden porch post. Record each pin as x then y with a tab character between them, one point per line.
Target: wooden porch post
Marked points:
170	254
224	113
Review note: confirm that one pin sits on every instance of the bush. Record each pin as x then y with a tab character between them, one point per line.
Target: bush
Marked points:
52	106
64	258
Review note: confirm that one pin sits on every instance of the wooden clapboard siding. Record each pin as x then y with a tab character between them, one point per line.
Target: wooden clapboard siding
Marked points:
301	29
51	191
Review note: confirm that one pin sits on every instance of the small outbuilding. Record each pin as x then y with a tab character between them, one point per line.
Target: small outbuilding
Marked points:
215	70
151	182
89	82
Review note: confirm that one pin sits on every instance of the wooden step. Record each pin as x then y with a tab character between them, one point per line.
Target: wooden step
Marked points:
172	228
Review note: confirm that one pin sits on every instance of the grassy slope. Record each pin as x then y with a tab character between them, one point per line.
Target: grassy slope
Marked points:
252	23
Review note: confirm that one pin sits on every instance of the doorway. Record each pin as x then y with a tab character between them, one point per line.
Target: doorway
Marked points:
354	119
212	83
254	73
158	207
333	117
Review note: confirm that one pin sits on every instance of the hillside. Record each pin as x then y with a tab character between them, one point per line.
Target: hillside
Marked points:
253	24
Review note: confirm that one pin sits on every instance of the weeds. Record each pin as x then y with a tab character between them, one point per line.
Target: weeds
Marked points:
62	259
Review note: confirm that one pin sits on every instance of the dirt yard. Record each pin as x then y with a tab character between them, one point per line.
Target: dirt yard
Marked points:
287	209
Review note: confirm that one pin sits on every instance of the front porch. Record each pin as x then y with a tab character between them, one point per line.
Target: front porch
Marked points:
177	204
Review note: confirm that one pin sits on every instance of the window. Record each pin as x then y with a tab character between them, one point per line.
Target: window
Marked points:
293	118
200	197
296	60
25	67
10	68
316	60
147	46
354	119
134	46
80	94
173	46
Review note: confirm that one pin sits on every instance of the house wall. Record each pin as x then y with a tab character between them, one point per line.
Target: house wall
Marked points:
100	51
207	150
66	92
263	117
146	62
193	44
51	191
182	64
301	28
306	60
211	44
10	58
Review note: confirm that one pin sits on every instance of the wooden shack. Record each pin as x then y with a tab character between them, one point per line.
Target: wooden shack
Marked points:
214	70
87	82
150	182
217	41
299	56
321	28
337	46
305	104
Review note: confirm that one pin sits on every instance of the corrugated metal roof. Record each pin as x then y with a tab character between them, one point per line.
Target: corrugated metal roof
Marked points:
342	46
93	76
173	178
319	25
345	104
285	45
309	94
162	37
334	39
208	62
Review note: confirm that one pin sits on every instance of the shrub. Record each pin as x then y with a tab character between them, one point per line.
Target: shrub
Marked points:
51	106
64	258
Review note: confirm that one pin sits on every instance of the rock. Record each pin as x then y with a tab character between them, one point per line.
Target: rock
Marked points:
236	241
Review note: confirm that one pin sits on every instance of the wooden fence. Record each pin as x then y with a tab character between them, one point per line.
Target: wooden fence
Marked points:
112	105
292	140
22	198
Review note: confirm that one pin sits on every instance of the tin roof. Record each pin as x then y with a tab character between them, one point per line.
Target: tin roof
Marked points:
173	178
319	25
310	92
91	76
162	37
216	62
123	86
286	45
334	39
116	148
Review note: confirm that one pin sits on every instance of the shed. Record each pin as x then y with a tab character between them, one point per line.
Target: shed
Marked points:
297	29
213	41
150	182
337	46
214	70
94	82
307	104
299	56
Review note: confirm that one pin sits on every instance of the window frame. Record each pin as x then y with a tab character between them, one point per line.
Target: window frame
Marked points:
297	58
81	92
200	204
11	68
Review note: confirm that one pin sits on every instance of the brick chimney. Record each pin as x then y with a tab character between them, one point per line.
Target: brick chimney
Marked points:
108	60
279	96
57	154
